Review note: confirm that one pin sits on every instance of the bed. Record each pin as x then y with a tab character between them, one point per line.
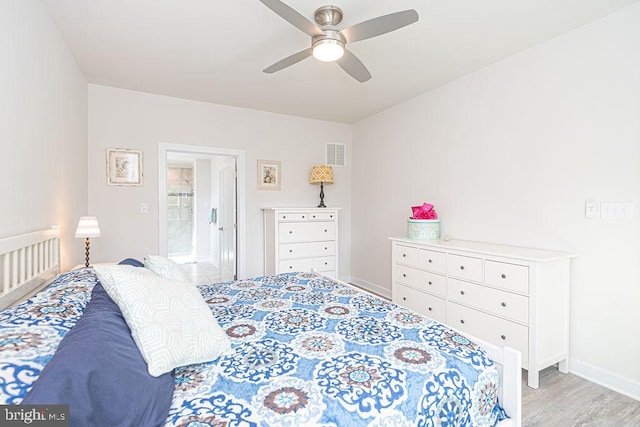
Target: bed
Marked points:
304	350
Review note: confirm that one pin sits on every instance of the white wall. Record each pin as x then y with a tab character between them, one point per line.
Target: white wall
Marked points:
127	119
43	136
509	154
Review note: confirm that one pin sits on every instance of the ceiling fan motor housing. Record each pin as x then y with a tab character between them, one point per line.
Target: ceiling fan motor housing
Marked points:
330	35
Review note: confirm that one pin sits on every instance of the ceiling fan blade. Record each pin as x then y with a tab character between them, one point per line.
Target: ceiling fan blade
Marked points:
288	61
293	17
380	25
354	67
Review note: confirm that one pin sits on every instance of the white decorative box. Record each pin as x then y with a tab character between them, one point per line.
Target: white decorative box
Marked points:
423	229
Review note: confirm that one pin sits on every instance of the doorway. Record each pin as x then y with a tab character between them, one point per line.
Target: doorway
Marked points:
217	204
180	212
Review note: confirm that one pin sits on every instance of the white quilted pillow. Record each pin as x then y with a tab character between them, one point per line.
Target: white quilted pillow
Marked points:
165	267
169	321
104	273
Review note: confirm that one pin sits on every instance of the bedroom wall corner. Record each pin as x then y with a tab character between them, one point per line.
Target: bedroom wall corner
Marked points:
43	146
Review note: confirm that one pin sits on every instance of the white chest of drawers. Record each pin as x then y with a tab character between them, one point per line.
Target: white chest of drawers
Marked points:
301	239
506	295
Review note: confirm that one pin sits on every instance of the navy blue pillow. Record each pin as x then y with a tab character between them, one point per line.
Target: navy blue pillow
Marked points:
99	372
131	261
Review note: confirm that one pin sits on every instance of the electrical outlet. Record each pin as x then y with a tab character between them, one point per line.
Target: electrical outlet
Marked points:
592	209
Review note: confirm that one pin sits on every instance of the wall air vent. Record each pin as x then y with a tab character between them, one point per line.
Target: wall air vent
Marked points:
336	154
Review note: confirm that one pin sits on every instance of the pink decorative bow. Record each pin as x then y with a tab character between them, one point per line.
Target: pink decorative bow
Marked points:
425	211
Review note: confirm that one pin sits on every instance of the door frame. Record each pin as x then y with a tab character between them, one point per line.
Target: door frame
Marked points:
222	206
239	155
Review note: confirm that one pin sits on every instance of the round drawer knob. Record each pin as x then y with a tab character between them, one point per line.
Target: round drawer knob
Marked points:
325	230
430	261
284	217
312	216
431	283
430	309
330	216
461	292
461	320
404	298
290	250
504	304
290	232
404	275
504	276
302	216
504	337
291	267
326	263
326	248
462	267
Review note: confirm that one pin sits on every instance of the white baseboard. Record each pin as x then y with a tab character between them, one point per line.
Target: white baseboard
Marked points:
371	287
606	379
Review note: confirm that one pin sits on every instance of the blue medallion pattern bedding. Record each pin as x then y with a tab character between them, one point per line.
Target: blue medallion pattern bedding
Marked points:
306	351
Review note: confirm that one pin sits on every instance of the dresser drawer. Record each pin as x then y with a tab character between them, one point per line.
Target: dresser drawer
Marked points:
423	280
496	331
306	231
429	305
306	250
293	216
464	267
406	255
512	277
431	260
326	263
505	304
322	216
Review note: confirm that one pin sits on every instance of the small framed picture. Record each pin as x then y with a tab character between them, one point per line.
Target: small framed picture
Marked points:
269	175
124	167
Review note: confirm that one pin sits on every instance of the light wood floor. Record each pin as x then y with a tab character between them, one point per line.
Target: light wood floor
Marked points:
566	400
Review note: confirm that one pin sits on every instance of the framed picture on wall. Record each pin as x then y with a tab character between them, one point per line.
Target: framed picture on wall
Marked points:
269	175
124	167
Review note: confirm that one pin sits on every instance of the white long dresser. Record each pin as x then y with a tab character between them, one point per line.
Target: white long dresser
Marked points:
506	295
301	239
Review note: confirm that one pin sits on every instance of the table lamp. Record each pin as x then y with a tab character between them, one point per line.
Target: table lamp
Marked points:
323	175
87	227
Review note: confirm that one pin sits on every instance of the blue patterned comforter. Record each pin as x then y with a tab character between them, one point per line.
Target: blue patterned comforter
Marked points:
306	351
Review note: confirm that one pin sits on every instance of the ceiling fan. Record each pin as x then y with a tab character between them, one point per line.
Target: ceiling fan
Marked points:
328	42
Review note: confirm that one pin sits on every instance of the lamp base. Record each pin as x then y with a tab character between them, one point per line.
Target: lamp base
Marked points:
86	252
322	205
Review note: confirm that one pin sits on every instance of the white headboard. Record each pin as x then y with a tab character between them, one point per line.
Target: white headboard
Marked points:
28	262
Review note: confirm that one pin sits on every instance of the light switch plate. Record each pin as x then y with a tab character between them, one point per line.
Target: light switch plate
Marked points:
616	210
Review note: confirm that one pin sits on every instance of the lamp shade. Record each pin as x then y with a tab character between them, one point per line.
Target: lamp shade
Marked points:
88	227
322	174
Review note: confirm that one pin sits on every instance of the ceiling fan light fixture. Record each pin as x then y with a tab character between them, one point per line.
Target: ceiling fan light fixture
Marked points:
328	50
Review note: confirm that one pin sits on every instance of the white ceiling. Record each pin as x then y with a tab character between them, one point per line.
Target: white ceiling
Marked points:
215	50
